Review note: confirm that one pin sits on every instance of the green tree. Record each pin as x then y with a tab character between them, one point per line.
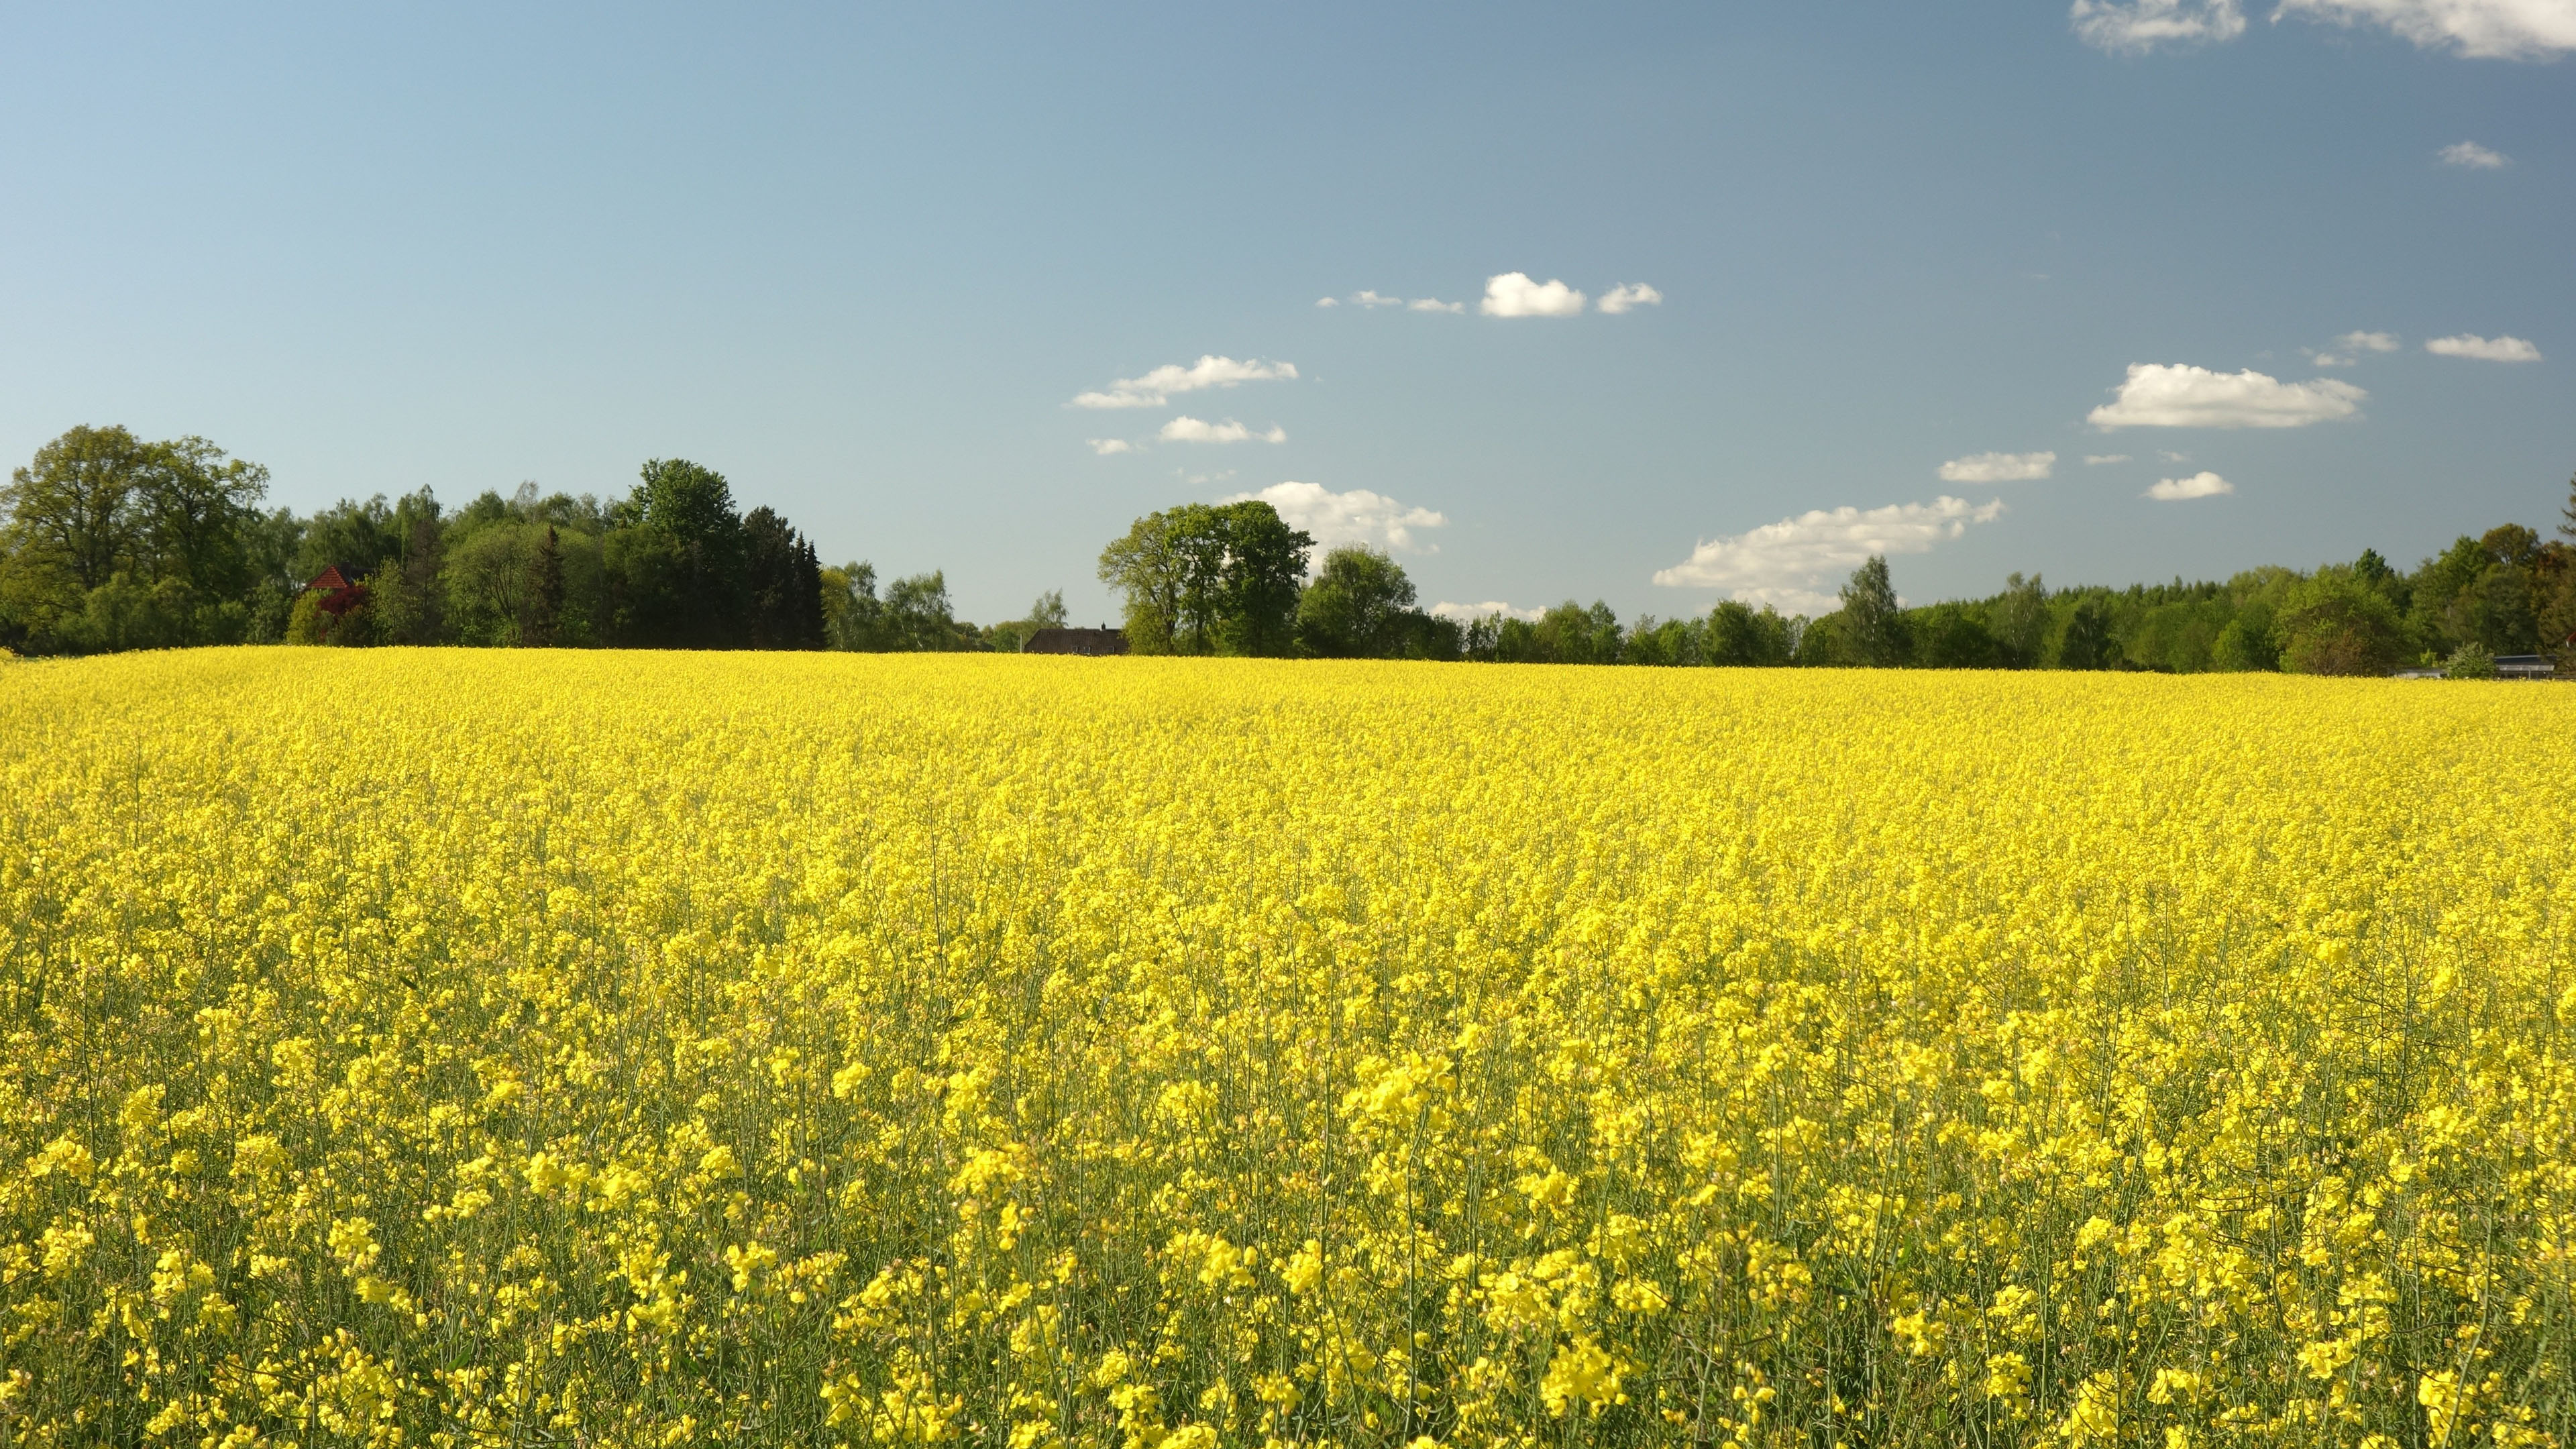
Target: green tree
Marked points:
853	615
2554	586
1360	606
1209	579
1263	573
1150	570
2085	638
919	619
2019	619
1953	636
1873	621
685	582
784	583
1741	637
2336	623
69	522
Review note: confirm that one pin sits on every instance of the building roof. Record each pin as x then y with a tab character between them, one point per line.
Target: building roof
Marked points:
1092	642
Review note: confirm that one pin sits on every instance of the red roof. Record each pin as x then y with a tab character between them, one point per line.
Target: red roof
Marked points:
330	578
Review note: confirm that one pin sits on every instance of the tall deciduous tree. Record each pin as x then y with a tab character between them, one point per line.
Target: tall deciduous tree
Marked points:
1360	606
1873	621
1203	579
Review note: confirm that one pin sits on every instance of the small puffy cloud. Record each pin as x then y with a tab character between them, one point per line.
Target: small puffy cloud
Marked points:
2183	396
1628	296
2485	29
2203	484
2095	460
1491	608
2137	26
1513	294
1998	467
1796	564
1433	304
1110	447
2472	155
1193	430
2484	349
1328	301
2347	349
1156	388
1366	298
2169	456
1358	516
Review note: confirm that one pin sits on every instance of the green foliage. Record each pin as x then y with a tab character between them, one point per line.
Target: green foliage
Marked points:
1740	637
2469	661
1209	579
1360	606
2339	623
1874	631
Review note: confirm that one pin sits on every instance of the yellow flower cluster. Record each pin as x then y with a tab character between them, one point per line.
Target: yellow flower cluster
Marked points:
455	1049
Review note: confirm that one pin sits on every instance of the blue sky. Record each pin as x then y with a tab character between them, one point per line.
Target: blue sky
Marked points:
864	262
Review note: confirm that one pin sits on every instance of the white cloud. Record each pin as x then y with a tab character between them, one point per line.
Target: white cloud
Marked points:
1366	298
2198	485
2183	396
1796	564
2344	351
1433	304
1106	447
1513	294
1155	388
2484	349
1193	430
1328	301
1630	295
2173	457
2487	29
2472	155
1469	613
2142	25
1358	516
2095	460
1998	467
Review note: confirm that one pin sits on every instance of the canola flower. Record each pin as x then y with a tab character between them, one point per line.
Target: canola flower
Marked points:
455	1049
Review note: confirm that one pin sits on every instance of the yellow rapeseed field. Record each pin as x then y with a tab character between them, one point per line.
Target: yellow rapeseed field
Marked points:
455	1048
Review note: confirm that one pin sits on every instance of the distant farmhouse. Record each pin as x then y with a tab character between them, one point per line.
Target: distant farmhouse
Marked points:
1093	642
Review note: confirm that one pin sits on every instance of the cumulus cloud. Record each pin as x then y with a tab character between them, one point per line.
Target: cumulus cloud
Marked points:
2344	351
2471	155
2199	485
1358	516
1513	294
2486	29
1433	304
2093	460
1156	388
2135	26
1998	467
1366	298
2183	396
1192	430
1469	613
1328	301
1106	447
1630	295
1796	564
2484	349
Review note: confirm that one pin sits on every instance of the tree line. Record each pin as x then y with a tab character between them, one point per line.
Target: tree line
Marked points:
109	541
1232	579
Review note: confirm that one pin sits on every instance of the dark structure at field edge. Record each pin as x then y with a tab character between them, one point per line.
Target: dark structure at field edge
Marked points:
1091	642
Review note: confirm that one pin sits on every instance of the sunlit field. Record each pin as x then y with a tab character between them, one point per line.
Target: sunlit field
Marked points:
482	1049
